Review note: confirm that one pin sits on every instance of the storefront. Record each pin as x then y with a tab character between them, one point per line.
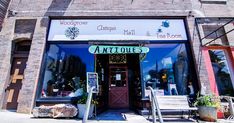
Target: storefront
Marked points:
128	55
216	37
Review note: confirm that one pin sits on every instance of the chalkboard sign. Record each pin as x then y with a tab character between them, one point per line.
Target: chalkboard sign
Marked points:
92	80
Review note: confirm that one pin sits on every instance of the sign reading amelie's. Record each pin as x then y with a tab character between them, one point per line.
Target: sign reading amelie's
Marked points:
104	49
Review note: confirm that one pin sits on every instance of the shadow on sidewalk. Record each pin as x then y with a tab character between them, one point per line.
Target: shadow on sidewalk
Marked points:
175	120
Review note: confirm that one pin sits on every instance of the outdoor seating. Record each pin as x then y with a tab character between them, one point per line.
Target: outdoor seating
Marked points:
171	103
175	103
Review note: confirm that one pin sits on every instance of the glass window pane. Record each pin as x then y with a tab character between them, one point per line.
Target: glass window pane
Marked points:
221	72
66	67
166	69
118	77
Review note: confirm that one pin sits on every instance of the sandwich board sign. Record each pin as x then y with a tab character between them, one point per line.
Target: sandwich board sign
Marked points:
92	81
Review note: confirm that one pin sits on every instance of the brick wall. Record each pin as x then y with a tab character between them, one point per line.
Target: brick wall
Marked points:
199	58
93	7
5	55
31	73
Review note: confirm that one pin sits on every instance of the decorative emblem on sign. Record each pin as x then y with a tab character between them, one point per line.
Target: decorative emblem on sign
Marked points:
72	32
165	24
117	59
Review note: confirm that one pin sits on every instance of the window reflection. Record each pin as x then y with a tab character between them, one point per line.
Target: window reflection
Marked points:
166	69
221	72
66	67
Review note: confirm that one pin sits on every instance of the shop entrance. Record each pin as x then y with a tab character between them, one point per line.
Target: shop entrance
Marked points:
119	81
118	87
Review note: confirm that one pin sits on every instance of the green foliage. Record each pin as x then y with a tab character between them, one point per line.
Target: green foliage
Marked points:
208	100
84	98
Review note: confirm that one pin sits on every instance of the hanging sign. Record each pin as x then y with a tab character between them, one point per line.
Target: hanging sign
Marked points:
104	49
116	29
92	81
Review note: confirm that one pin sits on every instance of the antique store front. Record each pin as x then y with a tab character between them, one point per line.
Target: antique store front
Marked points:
127	54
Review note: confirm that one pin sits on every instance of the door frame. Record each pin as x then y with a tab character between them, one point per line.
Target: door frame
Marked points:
230	59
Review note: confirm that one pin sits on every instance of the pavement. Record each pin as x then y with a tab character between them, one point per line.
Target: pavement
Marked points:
107	117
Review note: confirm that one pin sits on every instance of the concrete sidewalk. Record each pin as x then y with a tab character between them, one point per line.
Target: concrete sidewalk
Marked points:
12	117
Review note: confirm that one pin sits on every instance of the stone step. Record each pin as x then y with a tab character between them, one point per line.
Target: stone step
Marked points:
133	117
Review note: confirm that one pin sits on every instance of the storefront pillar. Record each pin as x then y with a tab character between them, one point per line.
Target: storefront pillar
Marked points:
211	76
31	73
232	59
5	56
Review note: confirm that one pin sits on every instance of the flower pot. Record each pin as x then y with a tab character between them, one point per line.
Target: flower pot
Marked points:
207	113
82	109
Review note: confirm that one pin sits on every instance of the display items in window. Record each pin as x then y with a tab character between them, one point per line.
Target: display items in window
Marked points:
65	72
166	69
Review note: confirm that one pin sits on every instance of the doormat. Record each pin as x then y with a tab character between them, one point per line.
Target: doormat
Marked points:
112	115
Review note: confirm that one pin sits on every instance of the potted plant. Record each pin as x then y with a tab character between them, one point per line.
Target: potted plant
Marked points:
81	105
207	107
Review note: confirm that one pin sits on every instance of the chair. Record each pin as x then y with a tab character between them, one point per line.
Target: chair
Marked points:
230	104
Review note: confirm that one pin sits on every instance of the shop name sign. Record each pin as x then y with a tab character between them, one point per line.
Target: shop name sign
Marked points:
103	49
116	29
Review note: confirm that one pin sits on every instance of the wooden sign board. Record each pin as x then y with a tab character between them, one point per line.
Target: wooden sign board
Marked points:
105	49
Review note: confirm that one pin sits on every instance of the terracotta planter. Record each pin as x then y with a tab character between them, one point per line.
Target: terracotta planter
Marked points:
82	108
207	113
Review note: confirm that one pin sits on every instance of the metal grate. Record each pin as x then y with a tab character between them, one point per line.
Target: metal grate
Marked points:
215	31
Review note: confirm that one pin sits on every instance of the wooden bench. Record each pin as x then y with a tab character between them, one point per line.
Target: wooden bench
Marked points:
175	103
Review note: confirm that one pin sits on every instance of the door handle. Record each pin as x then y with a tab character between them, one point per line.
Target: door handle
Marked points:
7	87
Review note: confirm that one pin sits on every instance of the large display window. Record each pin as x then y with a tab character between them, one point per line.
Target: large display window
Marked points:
65	70
167	68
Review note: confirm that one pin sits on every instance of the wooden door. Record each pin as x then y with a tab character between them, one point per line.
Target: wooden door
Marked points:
118	87
13	89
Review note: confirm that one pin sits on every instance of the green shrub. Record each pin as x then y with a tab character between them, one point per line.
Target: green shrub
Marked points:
208	100
84	98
